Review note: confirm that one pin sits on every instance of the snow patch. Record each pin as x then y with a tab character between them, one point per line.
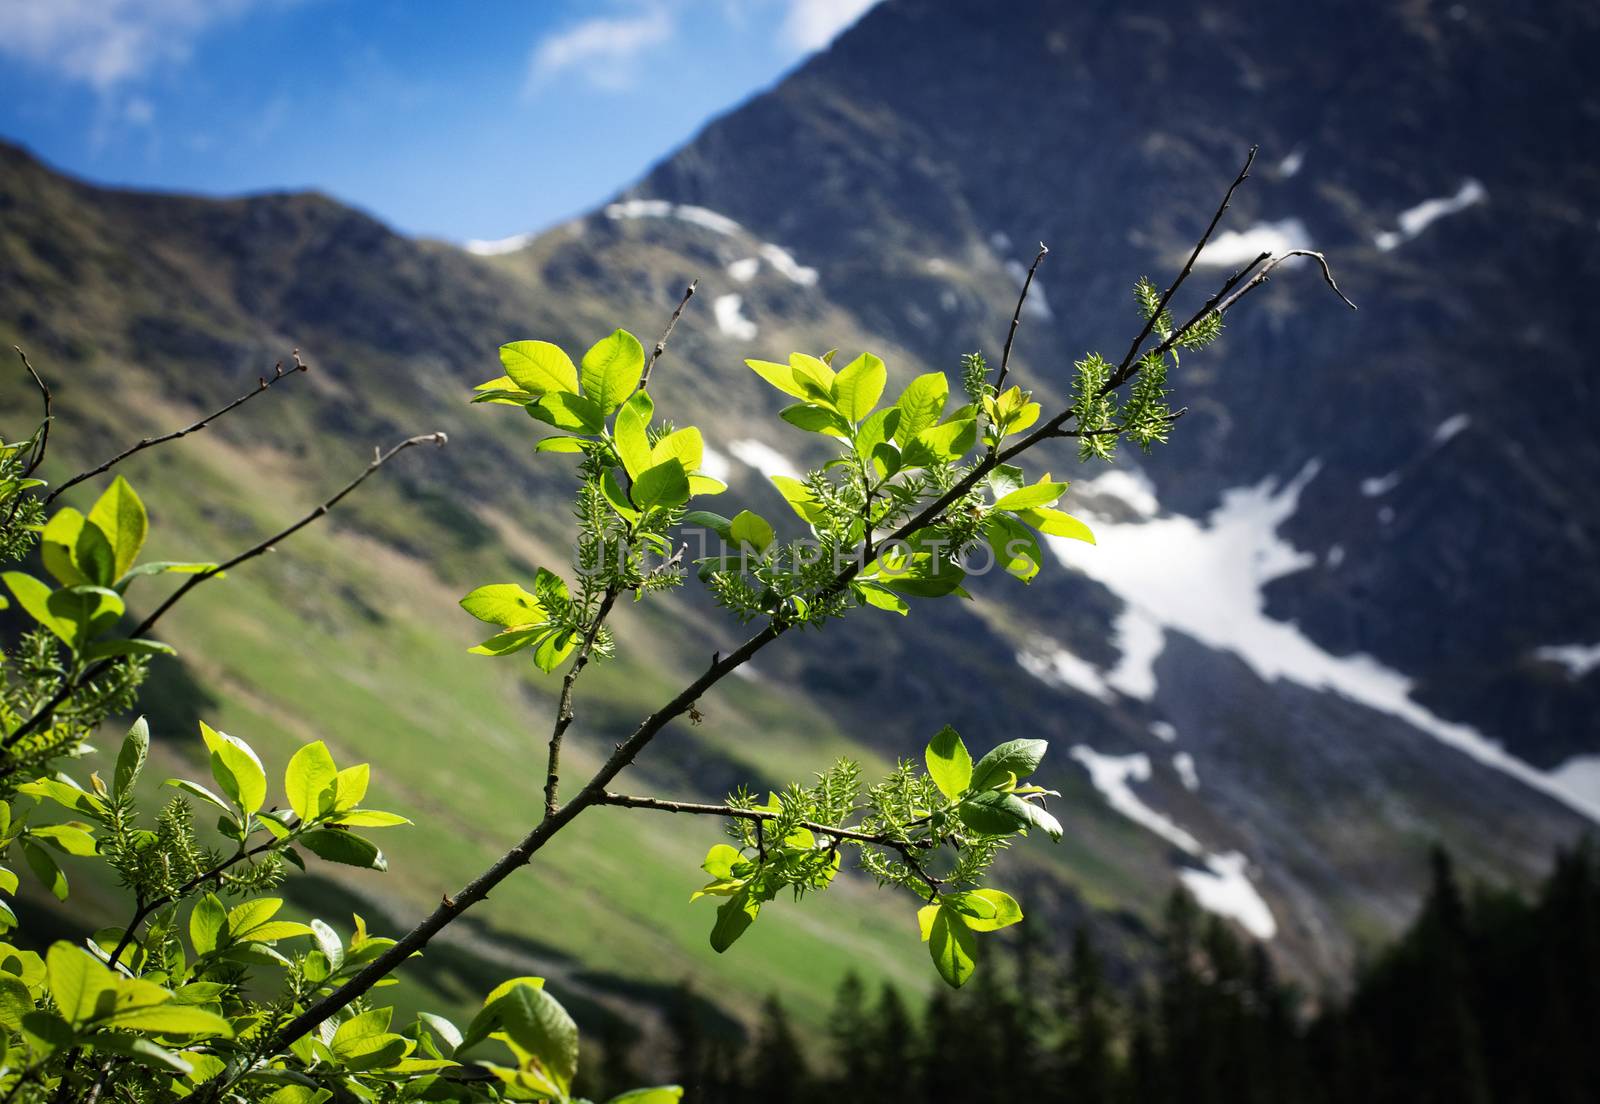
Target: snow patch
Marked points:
782	260
715	465
1382	485
639	208
1000	241
1581	775
1233	248
1132	488
1221	884
706	218
1224	888
1139	644
1291	164
1052	664
729	313
1335	556
1163	731
498	246
1414	220
1206	579
1450	427
1578	659
763	458
1183	763
744	269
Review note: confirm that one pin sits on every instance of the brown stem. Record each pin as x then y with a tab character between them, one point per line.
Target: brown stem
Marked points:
262	385
71	685
661	342
49	406
1016	317
564	711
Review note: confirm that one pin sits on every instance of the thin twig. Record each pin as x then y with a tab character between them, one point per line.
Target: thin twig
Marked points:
1016	317
564	710
70	686
661	342
49	416
262	385
761	816
1124	366
1266	274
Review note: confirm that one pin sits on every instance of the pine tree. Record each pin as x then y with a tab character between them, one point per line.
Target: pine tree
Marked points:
852	1043
777	1071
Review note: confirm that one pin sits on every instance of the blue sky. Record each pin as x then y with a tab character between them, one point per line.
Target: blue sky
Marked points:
472	119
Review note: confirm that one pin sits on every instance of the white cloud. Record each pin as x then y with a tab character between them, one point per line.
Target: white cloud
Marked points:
812	24
104	43
601	51
1232	248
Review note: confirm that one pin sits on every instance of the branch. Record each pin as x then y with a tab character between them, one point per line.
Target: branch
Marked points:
1266	274
760	816
71	685
564	711
44	433
661	342
214	874
1016	317
261	386
594	791
1132	354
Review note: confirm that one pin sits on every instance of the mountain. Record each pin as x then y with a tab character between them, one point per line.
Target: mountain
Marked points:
1352	608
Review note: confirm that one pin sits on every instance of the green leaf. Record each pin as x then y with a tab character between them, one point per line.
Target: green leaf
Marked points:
880	596
799	498
131	759
1056	523
236	768
814	419
752	529
34	597
705	519
616	497
539	1026
172	1019
45	869
350	786
952	946
505	604
1015	547
199	791
921	404
781	376
110	649
15	1001
309	780
120	515
445	1031
661	1094
58	543
876	431
208	924
565	410
66	838
552	648
559	444
328	943
666	484
369	818
140	1050
1041	818
611	369
1006	911
857	389
69	796
363	1025
1018	757
630	438
539	367
507	642
734	917
684	445
720	860
77	982
94	557
814	377
1037	494
949	763
944	442
168	567
994	813
344	847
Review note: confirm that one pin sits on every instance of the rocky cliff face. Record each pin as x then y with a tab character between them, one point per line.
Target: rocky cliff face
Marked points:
1350	610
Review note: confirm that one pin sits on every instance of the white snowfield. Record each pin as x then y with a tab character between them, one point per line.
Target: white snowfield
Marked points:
1233	248
1414	220
744	269
763	458
1220	883
1578	659
728	310
498	246
1206	578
